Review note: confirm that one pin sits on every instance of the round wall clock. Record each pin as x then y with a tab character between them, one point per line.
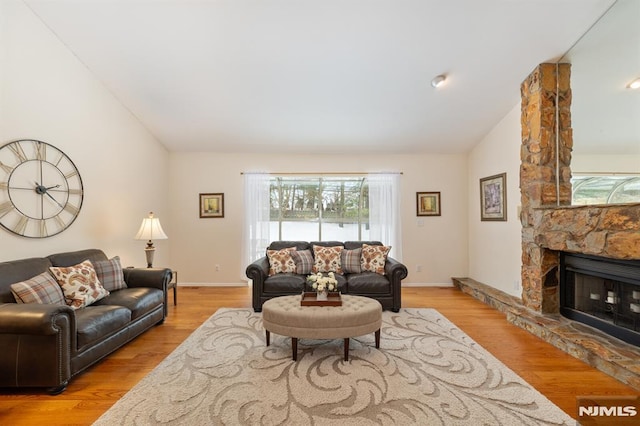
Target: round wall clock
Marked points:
40	189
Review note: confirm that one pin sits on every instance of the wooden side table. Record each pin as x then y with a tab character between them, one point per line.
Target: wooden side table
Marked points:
174	284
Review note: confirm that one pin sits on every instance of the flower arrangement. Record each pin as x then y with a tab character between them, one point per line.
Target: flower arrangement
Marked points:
322	283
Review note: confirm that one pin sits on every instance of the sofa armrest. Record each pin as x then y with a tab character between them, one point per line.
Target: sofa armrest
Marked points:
147	277
395	272
37	344
258	272
33	318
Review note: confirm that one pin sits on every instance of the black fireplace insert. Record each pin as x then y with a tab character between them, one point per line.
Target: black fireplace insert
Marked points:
603	293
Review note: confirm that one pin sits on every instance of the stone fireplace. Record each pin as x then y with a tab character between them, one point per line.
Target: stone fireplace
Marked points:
551	227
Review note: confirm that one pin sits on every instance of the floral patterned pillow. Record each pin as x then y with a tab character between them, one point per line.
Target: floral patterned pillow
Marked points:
280	261
80	284
374	258
327	259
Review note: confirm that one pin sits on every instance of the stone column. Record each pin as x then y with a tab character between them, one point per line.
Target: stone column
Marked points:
545	175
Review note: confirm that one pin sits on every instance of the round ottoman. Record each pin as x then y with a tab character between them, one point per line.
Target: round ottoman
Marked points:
356	317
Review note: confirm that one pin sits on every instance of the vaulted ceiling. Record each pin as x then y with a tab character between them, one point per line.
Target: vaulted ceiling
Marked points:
307	76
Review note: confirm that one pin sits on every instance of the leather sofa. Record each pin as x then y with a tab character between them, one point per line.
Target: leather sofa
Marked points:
45	345
384	288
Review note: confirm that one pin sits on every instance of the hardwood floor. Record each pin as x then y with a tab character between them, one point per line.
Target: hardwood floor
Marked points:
554	373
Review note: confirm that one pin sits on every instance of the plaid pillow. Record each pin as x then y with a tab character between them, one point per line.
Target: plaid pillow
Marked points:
351	261
80	284
110	273
303	260
42	289
374	258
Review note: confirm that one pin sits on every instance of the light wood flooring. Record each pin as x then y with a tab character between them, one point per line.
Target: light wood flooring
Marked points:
554	373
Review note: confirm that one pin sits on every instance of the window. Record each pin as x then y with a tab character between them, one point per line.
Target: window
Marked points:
605	189
319	208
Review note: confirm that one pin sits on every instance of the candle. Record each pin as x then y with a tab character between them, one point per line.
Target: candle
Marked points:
594	296
636	295
635	308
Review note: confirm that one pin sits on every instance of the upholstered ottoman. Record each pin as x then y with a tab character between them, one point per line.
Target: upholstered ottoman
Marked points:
356	317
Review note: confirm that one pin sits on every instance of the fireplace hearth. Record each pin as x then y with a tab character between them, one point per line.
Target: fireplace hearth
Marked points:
603	293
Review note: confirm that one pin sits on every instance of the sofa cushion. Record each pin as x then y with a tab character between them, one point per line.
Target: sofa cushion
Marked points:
284	283
42	289
351	261
368	282
374	258
327	259
280	261
138	300
80	284
303	260
109	273
95	323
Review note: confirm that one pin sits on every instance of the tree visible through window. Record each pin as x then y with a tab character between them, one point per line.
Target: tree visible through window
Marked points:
322	208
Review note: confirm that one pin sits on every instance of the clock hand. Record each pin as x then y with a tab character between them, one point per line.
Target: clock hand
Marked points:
54	200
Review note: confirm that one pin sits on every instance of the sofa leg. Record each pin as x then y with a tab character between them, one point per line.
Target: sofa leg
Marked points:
57	390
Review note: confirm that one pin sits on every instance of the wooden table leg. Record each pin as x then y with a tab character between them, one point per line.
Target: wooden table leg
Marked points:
378	339
346	349
294	348
268	337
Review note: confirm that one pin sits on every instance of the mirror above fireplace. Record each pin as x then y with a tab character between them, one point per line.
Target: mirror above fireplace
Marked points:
605	113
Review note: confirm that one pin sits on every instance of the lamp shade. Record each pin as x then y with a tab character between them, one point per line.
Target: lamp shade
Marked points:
151	229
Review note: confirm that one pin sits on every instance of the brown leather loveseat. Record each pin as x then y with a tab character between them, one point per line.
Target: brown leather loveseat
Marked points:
45	345
384	287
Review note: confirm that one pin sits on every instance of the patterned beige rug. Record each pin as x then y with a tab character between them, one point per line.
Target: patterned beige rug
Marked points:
426	372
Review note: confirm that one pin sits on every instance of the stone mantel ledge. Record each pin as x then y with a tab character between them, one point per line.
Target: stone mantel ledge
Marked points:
611	230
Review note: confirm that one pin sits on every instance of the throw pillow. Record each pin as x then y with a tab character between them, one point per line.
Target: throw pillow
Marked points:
41	289
351	261
110	273
327	259
374	258
303	260
280	261
80	284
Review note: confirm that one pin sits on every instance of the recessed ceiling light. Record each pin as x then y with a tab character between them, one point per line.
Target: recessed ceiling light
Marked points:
635	84
438	80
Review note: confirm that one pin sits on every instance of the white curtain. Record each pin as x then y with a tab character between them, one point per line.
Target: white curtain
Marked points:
256	218
384	211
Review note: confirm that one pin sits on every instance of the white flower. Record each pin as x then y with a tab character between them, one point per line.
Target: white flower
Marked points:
320	282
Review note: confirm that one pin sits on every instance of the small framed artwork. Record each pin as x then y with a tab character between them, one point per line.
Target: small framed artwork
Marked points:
493	197
211	205
428	203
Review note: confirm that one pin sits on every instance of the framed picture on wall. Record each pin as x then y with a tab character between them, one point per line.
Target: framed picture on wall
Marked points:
428	203
211	205
493	197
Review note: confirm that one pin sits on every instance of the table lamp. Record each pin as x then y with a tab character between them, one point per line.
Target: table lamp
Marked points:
150	230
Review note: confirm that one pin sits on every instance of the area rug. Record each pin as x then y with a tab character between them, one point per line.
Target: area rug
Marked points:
426	372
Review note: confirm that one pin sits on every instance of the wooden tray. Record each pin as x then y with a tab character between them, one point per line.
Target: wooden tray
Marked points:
309	298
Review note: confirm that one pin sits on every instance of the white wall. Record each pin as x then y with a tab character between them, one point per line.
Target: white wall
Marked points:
439	245
47	94
586	164
495	252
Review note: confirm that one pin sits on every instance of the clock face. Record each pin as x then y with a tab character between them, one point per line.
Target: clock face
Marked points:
40	189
